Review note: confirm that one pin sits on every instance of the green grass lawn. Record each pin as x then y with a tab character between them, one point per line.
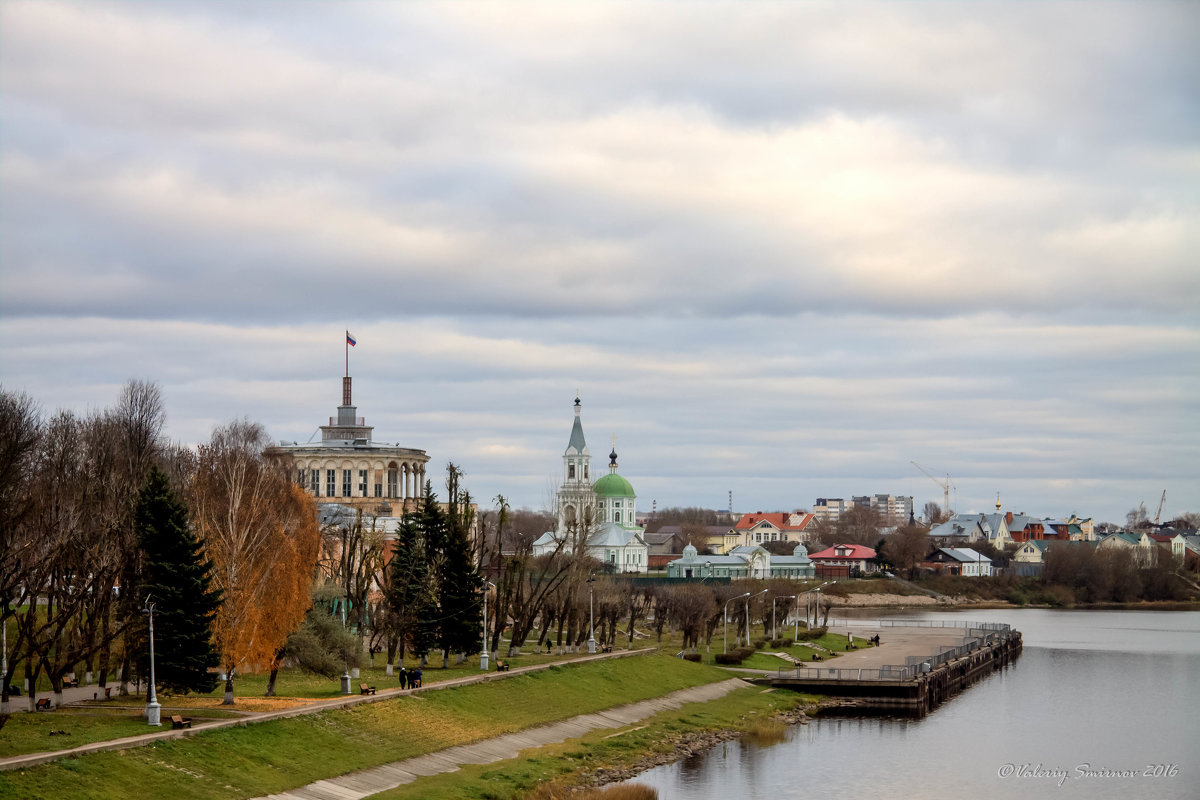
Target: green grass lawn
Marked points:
273	756
565	763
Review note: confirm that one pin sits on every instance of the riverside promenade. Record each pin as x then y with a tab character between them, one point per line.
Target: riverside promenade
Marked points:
251	718
365	783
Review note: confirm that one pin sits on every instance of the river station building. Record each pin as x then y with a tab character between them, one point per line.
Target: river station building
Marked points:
349	468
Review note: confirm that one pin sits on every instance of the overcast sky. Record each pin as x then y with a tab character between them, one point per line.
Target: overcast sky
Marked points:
779	249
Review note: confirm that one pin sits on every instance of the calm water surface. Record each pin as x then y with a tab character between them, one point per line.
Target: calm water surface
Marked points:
1115	691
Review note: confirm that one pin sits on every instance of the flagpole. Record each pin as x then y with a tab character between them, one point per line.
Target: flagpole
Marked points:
347	346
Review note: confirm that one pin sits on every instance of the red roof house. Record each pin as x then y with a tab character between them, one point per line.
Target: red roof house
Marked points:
844	560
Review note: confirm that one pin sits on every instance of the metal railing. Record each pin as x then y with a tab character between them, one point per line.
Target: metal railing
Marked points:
913	665
845	622
884	673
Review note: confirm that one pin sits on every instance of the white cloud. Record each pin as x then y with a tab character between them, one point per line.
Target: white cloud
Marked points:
781	248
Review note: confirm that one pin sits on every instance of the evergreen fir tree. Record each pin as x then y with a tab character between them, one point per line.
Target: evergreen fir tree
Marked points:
459	581
432	524
177	576
408	581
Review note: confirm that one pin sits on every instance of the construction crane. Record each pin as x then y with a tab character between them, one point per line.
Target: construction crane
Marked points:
1158	513
945	484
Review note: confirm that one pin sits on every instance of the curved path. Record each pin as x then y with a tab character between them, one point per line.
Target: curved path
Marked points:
357	785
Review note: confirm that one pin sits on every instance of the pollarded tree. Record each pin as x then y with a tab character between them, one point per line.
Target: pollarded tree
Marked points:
177	576
260	531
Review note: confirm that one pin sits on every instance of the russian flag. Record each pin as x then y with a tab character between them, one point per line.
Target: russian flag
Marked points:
350	339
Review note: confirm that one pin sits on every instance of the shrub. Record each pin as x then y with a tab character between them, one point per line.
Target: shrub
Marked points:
727	658
1057	596
813	634
782	642
759	644
692	657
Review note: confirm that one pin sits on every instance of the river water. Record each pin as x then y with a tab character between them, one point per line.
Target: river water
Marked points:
1101	704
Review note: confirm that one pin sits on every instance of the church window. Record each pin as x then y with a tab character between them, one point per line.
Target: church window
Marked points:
330	482
300	476
616	516
570	471
393	483
362	483
347	485
585	472
379	483
316	481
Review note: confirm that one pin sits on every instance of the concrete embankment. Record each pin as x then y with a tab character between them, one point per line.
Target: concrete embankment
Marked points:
916	667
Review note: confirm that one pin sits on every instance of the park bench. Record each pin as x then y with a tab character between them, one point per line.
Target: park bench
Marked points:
71	683
364	689
14	690
501	666
43	704
178	722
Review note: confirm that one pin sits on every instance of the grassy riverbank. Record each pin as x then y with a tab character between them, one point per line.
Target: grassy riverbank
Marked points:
603	755
273	756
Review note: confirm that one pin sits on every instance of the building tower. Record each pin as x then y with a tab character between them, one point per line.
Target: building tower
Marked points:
576	501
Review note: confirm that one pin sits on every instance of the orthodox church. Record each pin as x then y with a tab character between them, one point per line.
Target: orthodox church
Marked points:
600	516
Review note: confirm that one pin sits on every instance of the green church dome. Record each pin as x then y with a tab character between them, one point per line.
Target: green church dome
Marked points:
613	485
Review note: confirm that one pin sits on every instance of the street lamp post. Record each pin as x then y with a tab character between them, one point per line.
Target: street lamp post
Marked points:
748	599
153	709
483	651
591	617
725	617
774	627
808	603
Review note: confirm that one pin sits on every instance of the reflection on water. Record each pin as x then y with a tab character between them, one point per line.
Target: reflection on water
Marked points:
1103	690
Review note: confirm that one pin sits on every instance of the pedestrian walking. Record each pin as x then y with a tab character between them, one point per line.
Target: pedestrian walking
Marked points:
403	678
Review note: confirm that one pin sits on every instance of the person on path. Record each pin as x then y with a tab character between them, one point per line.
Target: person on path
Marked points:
403	678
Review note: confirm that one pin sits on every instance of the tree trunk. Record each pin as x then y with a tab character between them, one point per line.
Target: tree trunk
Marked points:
228	701
125	659
31	682
271	682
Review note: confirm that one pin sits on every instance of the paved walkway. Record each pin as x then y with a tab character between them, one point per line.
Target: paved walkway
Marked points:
362	784
30	759
895	644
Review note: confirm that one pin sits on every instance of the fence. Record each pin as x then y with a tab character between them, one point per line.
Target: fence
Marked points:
847	622
885	673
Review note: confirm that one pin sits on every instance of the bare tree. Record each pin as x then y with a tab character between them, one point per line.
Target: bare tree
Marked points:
934	513
907	547
859	525
22	549
692	605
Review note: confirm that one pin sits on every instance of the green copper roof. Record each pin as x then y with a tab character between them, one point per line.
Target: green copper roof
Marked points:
613	485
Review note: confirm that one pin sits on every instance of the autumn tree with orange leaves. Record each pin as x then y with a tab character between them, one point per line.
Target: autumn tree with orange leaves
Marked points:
260	531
